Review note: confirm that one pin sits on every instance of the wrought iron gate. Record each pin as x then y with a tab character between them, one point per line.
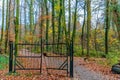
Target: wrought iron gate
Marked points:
29	57
57	56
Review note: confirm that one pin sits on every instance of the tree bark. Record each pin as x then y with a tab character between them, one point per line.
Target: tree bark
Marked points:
17	27
88	25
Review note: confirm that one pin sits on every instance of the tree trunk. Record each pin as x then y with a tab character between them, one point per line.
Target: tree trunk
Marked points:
31	16
17	26
95	33
82	36
116	17
59	24
47	23
25	24
74	24
2	22
53	27
107	27
88	25
6	29
69	22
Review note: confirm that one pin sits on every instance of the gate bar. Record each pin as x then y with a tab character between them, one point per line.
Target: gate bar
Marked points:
11	56
71	59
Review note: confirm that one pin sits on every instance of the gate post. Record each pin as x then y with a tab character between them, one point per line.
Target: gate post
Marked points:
71	59
10	56
41	44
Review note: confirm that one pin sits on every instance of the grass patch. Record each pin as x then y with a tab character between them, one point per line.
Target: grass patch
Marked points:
3	62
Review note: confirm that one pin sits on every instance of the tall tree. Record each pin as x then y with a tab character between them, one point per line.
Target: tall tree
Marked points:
63	29
59	22
69	23
11	20
47	23
7	27
107	26
20	22
88	2
95	32
53	25
2	22
31	16
116	15
74	24
17	26
63	26
25	18
82	36
73	39
42	20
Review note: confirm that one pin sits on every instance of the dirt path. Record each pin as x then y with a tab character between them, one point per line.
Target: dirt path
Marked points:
83	73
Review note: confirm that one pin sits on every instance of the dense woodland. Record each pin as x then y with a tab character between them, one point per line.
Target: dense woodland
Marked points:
93	26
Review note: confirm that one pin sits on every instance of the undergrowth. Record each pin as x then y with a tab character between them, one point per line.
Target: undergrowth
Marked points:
3	62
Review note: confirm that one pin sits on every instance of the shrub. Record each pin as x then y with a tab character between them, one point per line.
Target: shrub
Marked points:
112	58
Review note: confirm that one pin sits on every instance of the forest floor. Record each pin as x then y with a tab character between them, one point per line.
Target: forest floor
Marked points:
83	70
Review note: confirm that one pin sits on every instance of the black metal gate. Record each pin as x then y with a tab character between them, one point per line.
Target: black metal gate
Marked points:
56	56
29	57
